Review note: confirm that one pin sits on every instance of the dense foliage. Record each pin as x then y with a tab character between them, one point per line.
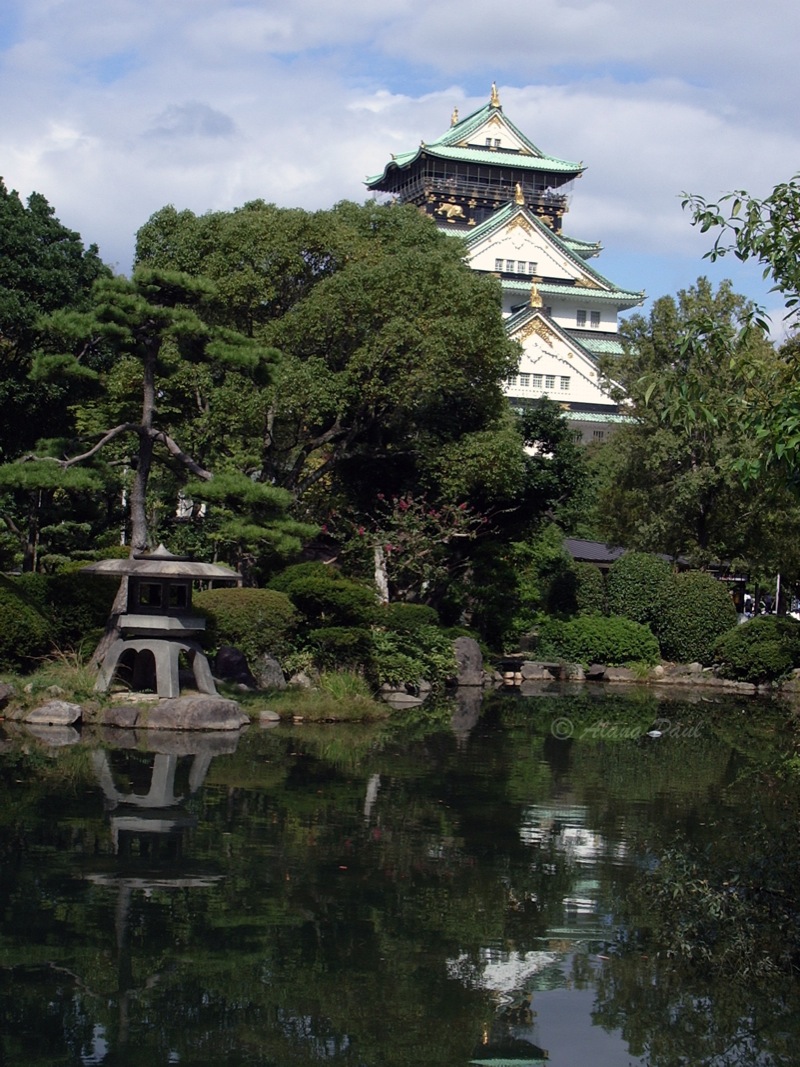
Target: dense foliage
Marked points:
698	610
610	640
764	649
25	632
256	621
638	585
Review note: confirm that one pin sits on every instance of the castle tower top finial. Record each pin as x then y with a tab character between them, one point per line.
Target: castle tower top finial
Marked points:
494	100
454	117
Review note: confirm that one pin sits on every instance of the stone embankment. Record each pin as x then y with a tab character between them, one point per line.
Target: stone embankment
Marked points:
530	675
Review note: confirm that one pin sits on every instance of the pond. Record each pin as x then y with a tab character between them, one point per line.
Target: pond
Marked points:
560	878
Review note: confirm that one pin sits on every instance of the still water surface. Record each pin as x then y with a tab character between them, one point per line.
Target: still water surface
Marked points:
383	897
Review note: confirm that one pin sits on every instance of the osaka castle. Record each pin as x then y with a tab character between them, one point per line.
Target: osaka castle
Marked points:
485	181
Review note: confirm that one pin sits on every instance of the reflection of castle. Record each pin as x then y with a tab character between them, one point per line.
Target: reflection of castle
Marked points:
563	827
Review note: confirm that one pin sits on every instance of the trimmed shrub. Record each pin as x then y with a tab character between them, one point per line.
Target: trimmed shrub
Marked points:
77	604
764	649
698	611
604	639
405	658
340	646
253	620
638	585
324	597
25	632
579	590
405	618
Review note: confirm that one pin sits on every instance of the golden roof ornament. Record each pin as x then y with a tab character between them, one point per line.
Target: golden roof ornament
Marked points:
536	296
494	100
518	197
454	117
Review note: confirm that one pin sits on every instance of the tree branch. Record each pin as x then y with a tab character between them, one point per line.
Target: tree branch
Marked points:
175	450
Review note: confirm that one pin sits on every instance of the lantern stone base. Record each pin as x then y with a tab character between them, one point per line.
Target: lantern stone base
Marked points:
153	663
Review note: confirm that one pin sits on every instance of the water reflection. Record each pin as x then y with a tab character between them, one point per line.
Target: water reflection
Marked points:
367	897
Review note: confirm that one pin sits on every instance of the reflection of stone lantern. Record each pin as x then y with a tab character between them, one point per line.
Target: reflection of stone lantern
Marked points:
158	627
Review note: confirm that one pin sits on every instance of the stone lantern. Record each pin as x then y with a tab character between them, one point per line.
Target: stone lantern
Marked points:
158	627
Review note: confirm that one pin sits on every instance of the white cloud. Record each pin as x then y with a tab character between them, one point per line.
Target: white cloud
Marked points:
113	109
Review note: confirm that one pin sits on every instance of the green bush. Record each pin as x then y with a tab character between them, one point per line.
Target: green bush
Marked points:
698	611
78	605
253	620
578	590
341	646
638	585
405	618
324	597
25	632
587	639
405	658
761	650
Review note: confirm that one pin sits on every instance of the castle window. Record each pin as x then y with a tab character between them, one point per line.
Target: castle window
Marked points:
488	142
549	381
497	142
498	264
598	435
521	267
531	268
564	383
525	380
510	265
580	318
537	381
595	319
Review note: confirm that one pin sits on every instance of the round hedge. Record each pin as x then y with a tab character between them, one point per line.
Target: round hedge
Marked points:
324	597
25	632
405	618
610	640
698	611
638	584
764	649
255	621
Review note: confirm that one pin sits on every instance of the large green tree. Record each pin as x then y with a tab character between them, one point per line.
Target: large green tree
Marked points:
149	331
672	479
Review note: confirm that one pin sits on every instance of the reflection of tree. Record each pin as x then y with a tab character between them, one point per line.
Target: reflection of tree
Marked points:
365	876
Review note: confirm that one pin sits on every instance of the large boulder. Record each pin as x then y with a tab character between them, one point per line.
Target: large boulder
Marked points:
180	713
469	661
230	665
55	713
268	673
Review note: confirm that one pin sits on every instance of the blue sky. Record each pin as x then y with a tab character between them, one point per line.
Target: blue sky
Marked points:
112	109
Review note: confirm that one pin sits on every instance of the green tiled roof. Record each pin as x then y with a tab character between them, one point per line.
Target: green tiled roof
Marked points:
449	146
584	249
601	344
620	296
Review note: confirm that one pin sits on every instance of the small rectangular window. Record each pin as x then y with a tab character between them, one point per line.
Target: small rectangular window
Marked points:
564	383
531	268
497	142
521	267
498	264
512	381
488	142
510	265
537	381
524	380
595	318
598	435
580	318
549	381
